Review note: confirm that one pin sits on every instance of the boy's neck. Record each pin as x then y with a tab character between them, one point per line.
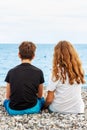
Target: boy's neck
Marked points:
26	61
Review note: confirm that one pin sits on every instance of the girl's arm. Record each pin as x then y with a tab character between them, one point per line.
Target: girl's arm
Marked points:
49	98
40	91
8	91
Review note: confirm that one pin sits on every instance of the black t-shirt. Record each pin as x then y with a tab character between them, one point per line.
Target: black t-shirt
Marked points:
24	80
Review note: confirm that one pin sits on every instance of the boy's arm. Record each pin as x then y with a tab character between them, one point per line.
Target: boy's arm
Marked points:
8	91
49	99
40	91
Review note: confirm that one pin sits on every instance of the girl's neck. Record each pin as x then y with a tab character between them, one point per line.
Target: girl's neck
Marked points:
26	61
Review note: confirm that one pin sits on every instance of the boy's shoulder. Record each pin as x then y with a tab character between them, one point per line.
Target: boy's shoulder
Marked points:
14	68
36	68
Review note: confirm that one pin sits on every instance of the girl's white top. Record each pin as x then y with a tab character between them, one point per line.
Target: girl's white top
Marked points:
67	98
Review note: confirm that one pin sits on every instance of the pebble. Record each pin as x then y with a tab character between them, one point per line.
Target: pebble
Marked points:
44	120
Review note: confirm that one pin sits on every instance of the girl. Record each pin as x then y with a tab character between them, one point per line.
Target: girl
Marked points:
64	89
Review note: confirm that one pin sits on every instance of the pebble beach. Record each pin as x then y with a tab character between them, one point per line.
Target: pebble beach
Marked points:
44	120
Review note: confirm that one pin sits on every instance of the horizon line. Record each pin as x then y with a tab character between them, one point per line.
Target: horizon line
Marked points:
38	43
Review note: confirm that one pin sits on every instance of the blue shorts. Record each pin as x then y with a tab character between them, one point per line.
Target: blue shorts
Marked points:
35	109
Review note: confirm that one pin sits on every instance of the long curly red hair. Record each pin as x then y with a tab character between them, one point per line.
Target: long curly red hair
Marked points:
66	62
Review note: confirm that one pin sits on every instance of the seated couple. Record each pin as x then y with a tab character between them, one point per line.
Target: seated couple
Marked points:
24	89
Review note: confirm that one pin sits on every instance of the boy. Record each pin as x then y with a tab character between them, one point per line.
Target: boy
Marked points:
24	88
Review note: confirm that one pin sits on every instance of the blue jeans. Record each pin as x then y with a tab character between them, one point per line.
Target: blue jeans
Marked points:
35	109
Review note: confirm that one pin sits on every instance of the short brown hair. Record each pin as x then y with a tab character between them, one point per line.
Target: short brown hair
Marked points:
27	50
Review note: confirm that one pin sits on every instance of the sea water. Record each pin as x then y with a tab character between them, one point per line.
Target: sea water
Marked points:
43	59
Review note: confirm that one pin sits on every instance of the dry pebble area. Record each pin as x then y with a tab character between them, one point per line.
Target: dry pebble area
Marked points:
44	120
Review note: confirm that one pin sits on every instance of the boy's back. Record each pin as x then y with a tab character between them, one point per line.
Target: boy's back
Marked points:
24	79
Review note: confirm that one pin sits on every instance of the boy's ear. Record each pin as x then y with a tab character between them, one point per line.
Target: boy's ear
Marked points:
19	55
33	56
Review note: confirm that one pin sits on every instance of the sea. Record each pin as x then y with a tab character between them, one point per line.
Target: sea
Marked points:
43	59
